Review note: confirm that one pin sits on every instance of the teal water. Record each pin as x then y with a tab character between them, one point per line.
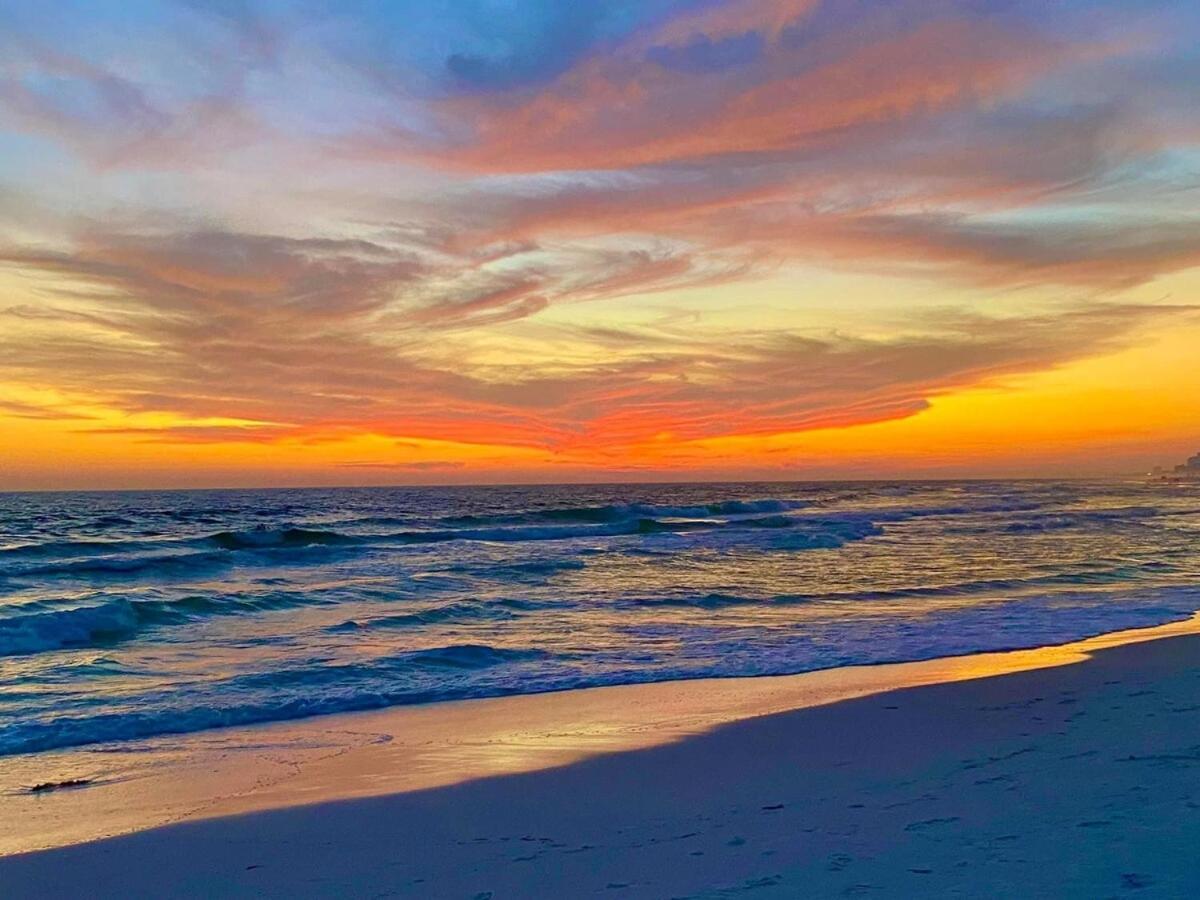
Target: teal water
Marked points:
130	615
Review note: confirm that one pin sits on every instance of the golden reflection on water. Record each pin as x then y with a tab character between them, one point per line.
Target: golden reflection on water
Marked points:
221	772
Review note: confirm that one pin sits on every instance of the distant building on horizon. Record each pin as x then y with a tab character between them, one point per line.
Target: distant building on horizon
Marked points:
1185	471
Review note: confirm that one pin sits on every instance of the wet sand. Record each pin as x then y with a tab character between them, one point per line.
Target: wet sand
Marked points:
1067	776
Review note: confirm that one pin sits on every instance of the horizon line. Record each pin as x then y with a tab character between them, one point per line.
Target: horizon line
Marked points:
555	484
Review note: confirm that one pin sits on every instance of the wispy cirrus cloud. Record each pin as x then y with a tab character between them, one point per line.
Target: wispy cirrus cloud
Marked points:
314	340
317	222
423	465
112	119
617	112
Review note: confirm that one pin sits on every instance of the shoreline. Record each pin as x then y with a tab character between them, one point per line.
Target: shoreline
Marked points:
202	776
1069	780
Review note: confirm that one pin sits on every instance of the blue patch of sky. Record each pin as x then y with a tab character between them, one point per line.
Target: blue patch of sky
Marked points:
474	46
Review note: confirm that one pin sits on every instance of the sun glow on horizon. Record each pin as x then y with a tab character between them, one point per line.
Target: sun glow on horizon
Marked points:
769	240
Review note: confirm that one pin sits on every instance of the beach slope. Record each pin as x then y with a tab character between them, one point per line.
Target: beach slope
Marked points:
1080	780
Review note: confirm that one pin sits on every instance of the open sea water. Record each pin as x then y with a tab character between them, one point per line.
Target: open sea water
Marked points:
134	614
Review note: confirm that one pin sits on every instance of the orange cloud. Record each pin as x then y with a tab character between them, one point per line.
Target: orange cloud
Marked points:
316	358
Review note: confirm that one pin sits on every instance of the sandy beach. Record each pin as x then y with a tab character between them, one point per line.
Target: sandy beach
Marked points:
651	449
1076	779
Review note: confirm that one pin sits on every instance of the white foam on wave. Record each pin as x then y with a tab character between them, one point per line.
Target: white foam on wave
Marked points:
378	598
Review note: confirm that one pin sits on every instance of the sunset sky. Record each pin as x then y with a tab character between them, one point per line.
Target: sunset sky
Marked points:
271	243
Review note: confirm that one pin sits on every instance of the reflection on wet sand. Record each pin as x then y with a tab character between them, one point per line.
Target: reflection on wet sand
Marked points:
222	772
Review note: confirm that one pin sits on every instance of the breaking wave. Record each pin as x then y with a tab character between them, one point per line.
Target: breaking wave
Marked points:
233	607
41	626
167	558
295	693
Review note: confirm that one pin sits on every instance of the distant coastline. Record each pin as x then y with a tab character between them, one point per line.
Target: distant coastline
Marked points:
1184	473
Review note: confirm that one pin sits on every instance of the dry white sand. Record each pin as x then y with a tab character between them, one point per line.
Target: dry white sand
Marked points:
1072	781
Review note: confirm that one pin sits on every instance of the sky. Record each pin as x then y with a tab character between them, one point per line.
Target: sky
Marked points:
256	242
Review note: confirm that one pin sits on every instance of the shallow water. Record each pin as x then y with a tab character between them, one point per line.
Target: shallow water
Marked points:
126	615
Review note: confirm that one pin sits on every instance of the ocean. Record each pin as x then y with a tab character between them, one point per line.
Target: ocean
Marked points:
128	615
